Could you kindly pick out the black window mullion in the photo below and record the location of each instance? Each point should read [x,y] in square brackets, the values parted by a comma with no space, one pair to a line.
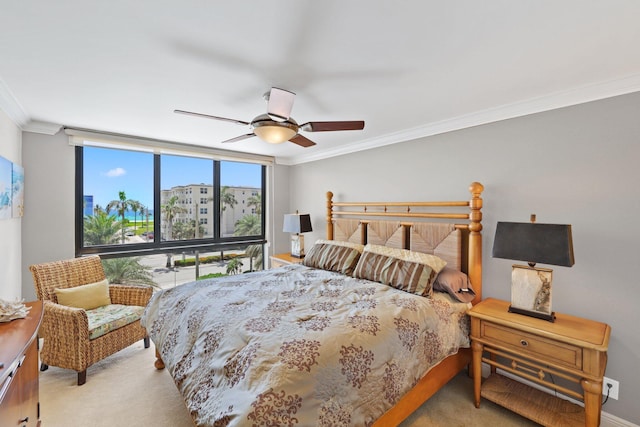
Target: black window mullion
[157,209]
[263,198]
[216,200]
[79,217]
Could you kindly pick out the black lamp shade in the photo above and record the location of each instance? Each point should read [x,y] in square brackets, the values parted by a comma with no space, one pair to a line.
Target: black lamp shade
[534,243]
[297,223]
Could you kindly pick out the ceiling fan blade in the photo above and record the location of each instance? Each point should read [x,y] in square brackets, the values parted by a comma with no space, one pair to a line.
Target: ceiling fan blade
[331,126]
[302,141]
[239,138]
[224,119]
[280,104]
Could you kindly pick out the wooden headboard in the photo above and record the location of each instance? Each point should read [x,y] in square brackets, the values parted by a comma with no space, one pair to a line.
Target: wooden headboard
[404,224]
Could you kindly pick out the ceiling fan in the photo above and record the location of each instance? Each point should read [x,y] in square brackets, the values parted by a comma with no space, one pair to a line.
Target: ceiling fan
[277,125]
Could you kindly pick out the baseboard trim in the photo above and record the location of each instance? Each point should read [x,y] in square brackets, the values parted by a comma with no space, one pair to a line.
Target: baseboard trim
[607,420]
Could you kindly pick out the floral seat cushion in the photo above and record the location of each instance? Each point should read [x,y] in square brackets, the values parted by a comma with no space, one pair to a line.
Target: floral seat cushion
[110,317]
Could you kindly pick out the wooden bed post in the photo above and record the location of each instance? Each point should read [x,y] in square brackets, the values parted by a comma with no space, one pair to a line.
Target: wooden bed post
[329,215]
[475,239]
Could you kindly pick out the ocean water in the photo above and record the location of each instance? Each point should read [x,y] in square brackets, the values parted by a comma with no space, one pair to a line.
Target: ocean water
[131,217]
[139,218]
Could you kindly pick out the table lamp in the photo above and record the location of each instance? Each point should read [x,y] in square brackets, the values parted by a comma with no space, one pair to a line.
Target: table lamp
[296,224]
[533,243]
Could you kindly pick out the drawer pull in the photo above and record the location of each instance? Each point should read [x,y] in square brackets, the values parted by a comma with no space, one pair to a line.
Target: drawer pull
[524,343]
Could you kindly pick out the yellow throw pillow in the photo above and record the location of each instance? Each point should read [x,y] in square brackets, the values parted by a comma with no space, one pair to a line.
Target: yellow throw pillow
[85,296]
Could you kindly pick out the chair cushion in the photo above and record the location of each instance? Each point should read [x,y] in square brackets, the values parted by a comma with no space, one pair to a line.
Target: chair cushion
[85,296]
[110,317]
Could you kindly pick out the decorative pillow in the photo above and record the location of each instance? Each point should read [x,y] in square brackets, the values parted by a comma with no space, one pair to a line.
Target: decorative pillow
[334,256]
[432,261]
[455,283]
[409,271]
[85,296]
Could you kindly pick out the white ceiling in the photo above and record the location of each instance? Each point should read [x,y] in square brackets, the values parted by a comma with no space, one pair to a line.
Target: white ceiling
[408,68]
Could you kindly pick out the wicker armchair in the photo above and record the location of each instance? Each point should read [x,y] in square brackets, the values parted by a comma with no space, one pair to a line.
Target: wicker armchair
[66,329]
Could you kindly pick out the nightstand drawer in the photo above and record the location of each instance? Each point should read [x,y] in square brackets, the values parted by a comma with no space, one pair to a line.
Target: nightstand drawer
[543,349]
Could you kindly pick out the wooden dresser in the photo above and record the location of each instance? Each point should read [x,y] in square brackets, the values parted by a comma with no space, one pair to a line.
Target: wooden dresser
[19,387]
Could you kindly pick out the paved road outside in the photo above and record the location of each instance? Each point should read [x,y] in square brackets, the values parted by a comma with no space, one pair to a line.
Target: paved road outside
[170,277]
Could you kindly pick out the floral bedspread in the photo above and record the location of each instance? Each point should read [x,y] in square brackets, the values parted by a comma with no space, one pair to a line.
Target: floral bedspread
[296,346]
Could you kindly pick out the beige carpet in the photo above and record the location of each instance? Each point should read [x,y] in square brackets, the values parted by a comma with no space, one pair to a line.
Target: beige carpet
[126,390]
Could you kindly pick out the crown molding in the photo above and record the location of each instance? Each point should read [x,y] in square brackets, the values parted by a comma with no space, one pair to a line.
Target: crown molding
[566,98]
[12,108]
[10,105]
[42,127]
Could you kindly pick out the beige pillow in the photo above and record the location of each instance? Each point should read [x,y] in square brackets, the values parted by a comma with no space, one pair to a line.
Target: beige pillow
[432,261]
[409,271]
[85,296]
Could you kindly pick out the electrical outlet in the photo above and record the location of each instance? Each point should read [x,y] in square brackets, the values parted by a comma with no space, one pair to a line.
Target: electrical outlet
[613,391]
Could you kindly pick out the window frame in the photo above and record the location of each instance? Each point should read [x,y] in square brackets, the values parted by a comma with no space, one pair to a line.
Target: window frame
[215,243]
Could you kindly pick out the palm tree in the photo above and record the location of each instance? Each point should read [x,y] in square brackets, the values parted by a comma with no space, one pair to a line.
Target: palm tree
[234,266]
[145,213]
[101,229]
[256,202]
[182,230]
[136,207]
[127,271]
[200,229]
[187,230]
[170,210]
[120,206]
[227,198]
[255,251]
[250,225]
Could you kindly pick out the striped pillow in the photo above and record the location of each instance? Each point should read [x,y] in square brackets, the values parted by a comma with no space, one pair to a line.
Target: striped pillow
[407,273]
[334,256]
[405,254]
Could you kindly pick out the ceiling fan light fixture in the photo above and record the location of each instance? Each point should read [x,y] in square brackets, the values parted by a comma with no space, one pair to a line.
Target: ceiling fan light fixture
[274,132]
[277,126]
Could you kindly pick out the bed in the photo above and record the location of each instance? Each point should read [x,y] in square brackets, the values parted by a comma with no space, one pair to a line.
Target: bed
[356,335]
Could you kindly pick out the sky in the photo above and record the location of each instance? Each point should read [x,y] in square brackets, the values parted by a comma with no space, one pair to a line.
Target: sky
[109,171]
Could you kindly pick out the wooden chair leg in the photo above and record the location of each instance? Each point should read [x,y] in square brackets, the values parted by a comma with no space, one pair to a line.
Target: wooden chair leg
[82,377]
[146,342]
[159,364]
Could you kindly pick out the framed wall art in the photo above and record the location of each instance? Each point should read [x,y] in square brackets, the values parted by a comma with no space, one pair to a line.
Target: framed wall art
[5,188]
[17,191]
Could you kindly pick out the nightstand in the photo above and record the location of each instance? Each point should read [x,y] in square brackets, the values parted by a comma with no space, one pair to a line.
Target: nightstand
[570,349]
[279,260]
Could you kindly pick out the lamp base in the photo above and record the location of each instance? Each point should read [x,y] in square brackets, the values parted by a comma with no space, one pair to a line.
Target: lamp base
[537,314]
[297,246]
[531,292]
